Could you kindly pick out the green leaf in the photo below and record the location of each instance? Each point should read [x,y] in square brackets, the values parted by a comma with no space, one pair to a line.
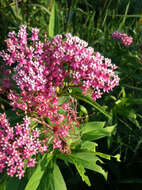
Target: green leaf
[99,133]
[58,180]
[91,126]
[106,156]
[89,146]
[3,181]
[53,21]
[81,171]
[117,156]
[88,160]
[52,179]
[2,186]
[35,179]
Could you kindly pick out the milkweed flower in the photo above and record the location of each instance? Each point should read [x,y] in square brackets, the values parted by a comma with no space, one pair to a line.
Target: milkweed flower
[64,61]
[124,38]
[18,145]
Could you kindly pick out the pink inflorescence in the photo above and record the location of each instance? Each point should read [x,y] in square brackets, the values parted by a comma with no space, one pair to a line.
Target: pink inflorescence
[72,60]
[17,146]
[65,61]
[124,38]
[44,106]
[39,103]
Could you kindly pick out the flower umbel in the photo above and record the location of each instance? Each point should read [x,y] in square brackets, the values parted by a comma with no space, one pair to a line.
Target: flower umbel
[18,145]
[66,61]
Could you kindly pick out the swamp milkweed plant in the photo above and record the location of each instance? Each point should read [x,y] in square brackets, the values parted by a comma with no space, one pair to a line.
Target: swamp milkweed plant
[39,76]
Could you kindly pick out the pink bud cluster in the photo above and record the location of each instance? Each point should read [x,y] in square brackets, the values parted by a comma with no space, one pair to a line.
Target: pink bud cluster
[18,145]
[124,38]
[65,61]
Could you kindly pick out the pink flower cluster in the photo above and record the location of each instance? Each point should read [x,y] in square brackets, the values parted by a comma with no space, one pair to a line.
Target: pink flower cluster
[28,61]
[70,59]
[124,38]
[39,103]
[44,106]
[65,61]
[20,143]
[17,146]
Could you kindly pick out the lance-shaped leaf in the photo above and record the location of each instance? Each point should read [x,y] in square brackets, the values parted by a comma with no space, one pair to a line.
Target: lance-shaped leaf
[91,126]
[53,21]
[98,133]
[86,159]
[52,179]
[35,179]
[81,171]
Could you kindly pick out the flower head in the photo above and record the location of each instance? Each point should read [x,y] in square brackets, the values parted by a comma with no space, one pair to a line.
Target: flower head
[124,38]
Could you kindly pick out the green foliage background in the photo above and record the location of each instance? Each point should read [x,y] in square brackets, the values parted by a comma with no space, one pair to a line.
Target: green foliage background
[94,21]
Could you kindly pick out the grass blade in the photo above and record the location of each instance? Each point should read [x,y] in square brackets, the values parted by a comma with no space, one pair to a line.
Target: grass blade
[53,21]
[124,18]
